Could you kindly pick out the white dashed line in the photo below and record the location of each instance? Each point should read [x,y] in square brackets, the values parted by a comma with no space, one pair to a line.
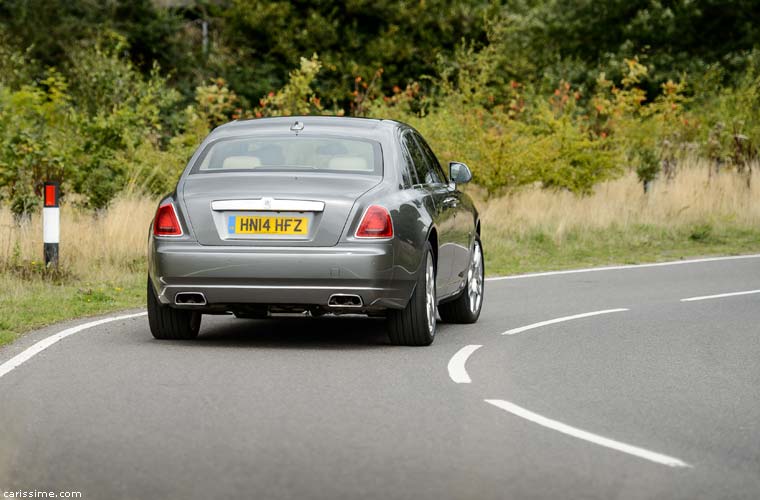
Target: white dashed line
[43,344]
[587,436]
[720,296]
[457,370]
[525,328]
[628,266]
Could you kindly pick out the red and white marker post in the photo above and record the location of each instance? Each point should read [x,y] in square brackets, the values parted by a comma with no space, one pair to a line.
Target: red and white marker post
[51,223]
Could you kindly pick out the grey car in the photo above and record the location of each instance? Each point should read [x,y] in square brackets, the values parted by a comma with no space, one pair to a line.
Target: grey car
[316,215]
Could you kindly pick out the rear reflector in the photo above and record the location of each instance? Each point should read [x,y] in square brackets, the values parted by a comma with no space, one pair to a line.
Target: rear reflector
[166,222]
[50,196]
[376,223]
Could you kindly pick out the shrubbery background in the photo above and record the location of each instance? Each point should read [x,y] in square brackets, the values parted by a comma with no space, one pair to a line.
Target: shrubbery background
[112,96]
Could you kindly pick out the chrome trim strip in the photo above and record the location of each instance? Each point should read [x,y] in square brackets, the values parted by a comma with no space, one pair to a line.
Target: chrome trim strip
[269,205]
[277,287]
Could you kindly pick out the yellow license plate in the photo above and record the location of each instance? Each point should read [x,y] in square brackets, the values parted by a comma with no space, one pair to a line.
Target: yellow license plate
[256,224]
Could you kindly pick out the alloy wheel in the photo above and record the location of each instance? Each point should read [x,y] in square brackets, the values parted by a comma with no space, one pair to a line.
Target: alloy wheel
[430,294]
[475,279]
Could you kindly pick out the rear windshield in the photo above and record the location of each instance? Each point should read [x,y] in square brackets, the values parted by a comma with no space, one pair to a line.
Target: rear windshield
[292,153]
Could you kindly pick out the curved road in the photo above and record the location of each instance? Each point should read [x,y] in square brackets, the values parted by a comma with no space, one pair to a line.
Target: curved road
[654,397]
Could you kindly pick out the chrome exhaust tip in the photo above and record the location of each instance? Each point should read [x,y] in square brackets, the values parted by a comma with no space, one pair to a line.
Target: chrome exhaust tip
[344,300]
[190,299]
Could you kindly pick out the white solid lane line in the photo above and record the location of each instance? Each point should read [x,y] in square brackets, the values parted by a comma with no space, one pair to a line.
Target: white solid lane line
[457,371]
[720,296]
[560,320]
[587,436]
[43,344]
[628,266]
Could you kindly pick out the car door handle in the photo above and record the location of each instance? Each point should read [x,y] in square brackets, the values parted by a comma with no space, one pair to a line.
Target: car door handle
[450,202]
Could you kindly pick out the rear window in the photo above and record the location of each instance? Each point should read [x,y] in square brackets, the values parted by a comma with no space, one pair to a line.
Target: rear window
[292,153]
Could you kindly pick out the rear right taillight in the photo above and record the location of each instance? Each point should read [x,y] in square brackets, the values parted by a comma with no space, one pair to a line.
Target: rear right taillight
[166,223]
[376,223]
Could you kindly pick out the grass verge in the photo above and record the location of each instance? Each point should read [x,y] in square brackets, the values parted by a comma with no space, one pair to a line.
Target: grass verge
[32,303]
[103,255]
[29,304]
[696,214]
[102,266]
[537,251]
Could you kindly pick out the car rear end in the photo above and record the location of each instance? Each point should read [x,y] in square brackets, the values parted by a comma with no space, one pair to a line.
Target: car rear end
[281,217]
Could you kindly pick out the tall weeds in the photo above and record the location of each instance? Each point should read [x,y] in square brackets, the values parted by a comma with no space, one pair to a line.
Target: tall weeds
[107,245]
[95,245]
[694,197]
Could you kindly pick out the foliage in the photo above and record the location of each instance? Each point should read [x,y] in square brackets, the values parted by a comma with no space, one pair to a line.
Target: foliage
[113,96]
[82,134]
[216,103]
[297,96]
[529,139]
[353,38]
[647,166]
[731,135]
[34,140]
[545,41]
[48,30]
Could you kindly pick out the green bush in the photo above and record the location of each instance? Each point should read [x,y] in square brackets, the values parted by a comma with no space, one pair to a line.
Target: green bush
[525,140]
[88,129]
[100,123]
[37,141]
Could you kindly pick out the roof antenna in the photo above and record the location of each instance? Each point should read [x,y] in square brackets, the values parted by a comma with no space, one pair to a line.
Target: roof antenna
[297,127]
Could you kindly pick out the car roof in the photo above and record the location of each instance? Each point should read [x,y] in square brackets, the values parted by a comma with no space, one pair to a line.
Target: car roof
[352,126]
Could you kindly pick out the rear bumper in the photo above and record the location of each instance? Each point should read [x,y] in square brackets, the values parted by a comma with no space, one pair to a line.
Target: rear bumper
[279,275]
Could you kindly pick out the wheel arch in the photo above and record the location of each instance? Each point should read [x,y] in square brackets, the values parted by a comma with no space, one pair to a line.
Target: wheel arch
[432,237]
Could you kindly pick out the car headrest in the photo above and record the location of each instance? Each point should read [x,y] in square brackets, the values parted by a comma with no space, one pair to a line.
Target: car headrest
[348,163]
[241,162]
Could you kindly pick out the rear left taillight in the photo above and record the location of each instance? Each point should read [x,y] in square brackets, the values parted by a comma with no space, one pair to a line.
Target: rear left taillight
[166,223]
[376,223]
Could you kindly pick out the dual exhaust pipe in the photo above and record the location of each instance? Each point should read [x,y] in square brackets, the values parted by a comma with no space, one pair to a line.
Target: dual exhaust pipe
[344,300]
[190,299]
[335,300]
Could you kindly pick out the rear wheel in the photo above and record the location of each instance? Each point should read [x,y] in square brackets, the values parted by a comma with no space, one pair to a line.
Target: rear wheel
[415,324]
[466,307]
[168,323]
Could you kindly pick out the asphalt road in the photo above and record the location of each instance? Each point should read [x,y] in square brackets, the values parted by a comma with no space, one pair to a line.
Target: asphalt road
[325,408]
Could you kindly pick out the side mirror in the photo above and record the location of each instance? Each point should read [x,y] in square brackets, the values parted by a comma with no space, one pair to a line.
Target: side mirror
[459,173]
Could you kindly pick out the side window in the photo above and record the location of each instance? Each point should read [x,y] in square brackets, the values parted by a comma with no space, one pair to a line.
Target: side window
[438,177]
[407,177]
[407,171]
[418,160]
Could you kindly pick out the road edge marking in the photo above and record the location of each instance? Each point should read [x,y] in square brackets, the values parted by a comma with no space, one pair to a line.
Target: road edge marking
[587,436]
[525,328]
[720,295]
[457,371]
[43,344]
[626,266]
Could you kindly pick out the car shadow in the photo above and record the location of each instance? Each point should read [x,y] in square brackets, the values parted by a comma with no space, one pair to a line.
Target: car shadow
[327,332]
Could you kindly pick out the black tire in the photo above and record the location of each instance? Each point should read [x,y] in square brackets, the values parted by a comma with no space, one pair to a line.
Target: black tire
[167,323]
[462,309]
[412,325]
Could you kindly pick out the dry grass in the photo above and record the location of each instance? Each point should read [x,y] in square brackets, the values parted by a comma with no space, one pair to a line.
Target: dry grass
[691,215]
[691,198]
[102,247]
[94,247]
[104,265]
